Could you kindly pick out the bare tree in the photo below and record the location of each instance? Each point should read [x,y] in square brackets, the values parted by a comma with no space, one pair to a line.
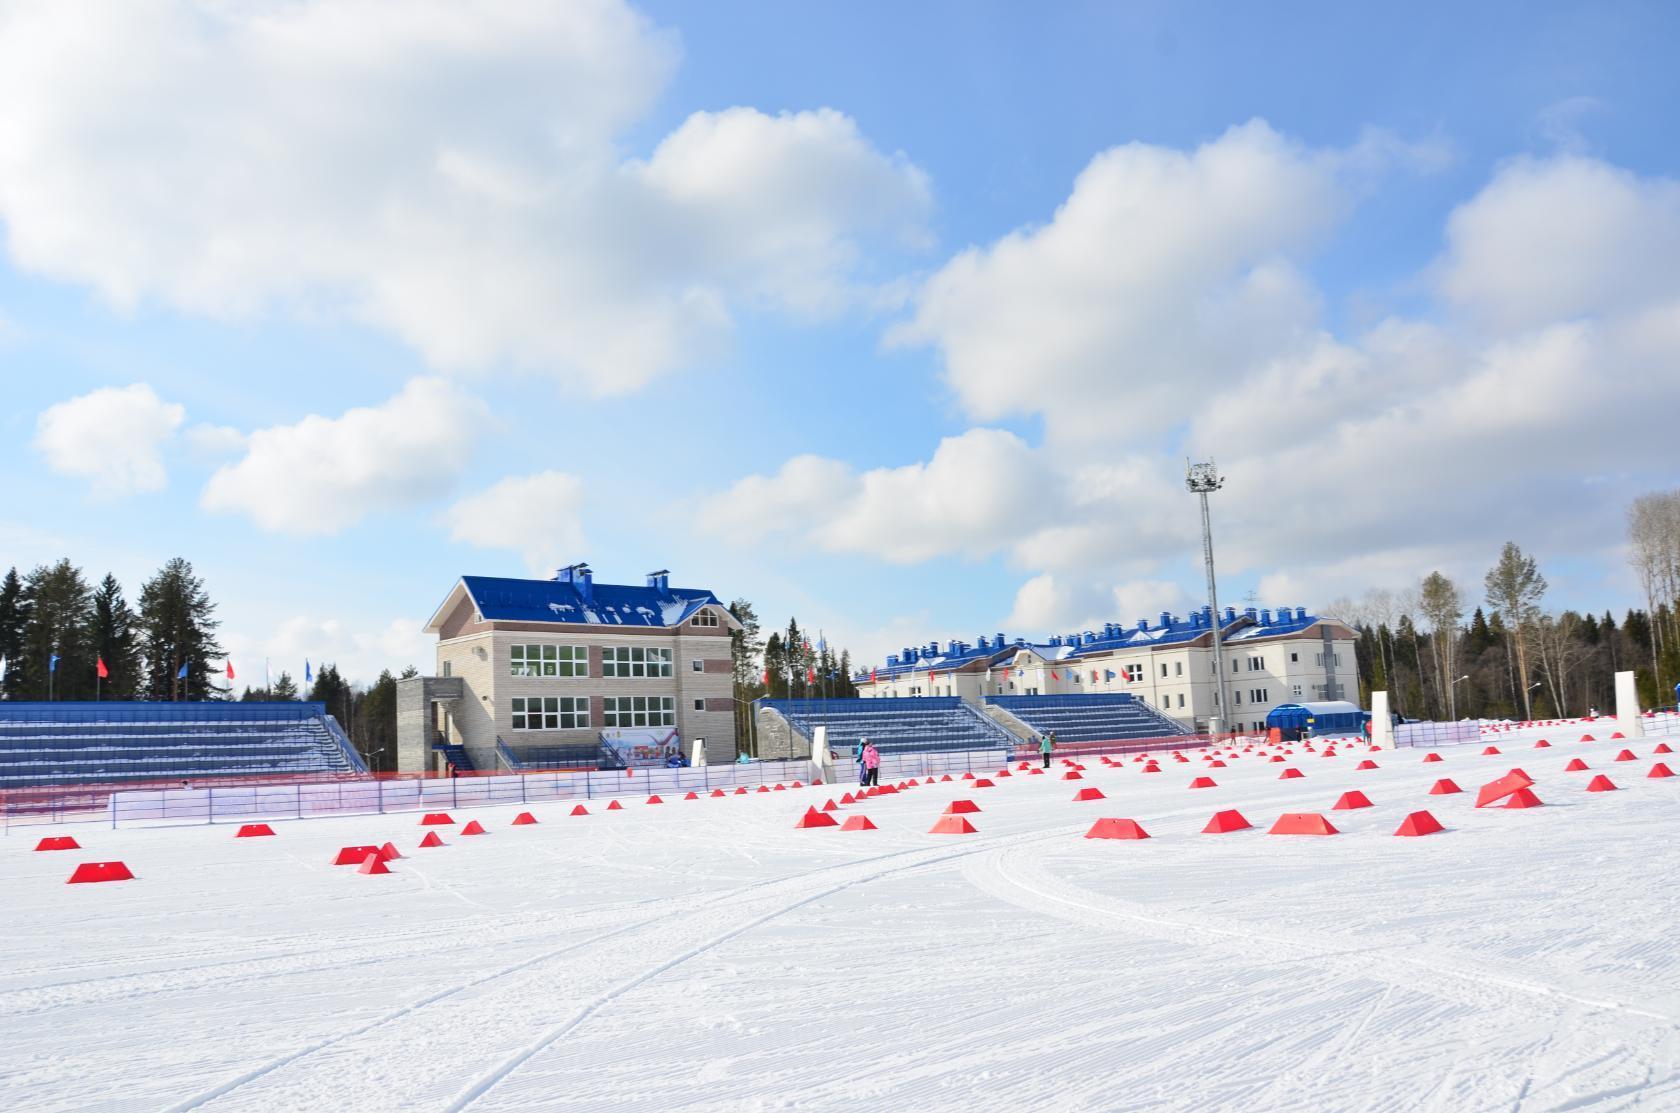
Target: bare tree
[1654,550]
[1443,607]
[1560,651]
[1514,588]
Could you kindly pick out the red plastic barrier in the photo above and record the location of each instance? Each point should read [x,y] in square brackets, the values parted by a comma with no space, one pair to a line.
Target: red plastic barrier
[58,842]
[1302,823]
[253,831]
[1222,822]
[354,855]
[89,872]
[1128,829]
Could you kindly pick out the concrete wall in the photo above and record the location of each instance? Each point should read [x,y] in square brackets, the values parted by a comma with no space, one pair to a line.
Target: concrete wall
[415,698]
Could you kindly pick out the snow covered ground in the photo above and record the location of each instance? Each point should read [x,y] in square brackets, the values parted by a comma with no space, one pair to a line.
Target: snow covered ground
[705,955]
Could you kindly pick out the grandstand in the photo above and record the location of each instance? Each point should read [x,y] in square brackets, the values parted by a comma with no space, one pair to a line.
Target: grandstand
[1090,717]
[908,725]
[112,742]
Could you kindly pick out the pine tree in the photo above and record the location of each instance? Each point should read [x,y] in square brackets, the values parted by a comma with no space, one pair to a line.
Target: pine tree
[14,617]
[178,628]
[60,623]
[331,689]
[1515,586]
[376,723]
[285,688]
[114,640]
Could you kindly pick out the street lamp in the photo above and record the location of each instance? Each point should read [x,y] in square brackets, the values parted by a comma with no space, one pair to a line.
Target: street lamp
[1203,479]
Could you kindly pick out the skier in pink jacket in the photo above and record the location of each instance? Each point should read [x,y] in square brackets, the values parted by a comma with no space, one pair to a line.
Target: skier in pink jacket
[872,764]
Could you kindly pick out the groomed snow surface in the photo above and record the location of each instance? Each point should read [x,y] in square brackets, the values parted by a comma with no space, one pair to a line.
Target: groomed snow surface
[707,955]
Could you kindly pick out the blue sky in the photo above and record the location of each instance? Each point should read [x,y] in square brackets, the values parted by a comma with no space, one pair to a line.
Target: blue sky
[899,319]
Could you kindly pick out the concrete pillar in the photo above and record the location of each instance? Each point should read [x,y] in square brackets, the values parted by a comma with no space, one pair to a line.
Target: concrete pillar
[698,757]
[1627,706]
[1382,727]
[822,762]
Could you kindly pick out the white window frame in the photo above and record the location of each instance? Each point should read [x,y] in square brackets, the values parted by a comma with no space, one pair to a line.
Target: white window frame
[541,660]
[622,662]
[705,618]
[641,711]
[549,713]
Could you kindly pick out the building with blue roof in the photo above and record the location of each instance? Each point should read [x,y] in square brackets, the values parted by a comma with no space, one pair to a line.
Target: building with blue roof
[1272,657]
[567,672]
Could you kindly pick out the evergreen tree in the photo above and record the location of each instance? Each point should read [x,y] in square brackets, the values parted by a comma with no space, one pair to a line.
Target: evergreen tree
[114,640]
[60,623]
[775,668]
[14,617]
[333,690]
[1515,586]
[376,724]
[178,628]
[285,688]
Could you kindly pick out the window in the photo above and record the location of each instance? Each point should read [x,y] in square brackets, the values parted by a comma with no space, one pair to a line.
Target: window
[639,711]
[1335,660]
[625,660]
[1237,697]
[550,712]
[1163,670]
[699,705]
[447,668]
[1294,658]
[1134,673]
[1258,695]
[1181,699]
[1255,664]
[1296,692]
[699,666]
[704,618]
[548,660]
[1178,668]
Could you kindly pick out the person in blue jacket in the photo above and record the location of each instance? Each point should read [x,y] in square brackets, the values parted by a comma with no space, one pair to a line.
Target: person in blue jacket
[857,757]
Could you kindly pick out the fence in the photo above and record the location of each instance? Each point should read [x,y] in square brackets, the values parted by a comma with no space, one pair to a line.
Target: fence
[1475,732]
[227,803]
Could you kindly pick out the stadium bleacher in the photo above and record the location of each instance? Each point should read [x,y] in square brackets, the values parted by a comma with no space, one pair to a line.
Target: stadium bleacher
[1098,717]
[115,742]
[918,724]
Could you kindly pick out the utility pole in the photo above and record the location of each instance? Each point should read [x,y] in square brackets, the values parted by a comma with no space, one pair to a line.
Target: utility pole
[1203,479]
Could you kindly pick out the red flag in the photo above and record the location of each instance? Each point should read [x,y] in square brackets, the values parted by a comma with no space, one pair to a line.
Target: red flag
[104,673]
[872,676]
[767,678]
[230,668]
[810,676]
[1054,675]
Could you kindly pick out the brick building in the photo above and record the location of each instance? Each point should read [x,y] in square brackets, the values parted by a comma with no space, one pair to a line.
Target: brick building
[549,668]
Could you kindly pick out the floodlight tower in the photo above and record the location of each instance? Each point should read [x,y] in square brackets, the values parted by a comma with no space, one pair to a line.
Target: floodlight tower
[1203,479]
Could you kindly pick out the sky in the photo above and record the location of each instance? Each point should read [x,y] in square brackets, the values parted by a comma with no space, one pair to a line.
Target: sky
[902,319]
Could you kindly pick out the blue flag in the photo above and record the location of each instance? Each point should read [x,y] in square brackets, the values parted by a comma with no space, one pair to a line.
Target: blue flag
[181,673]
[52,663]
[307,675]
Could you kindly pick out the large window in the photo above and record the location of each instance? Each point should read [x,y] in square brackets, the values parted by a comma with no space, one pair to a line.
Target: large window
[704,618]
[548,660]
[639,711]
[550,712]
[627,660]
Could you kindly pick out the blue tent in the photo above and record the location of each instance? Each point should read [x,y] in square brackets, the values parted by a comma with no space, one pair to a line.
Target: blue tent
[1332,717]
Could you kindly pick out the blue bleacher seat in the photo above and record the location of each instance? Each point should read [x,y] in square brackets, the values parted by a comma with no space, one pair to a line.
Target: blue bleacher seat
[1098,717]
[113,742]
[916,724]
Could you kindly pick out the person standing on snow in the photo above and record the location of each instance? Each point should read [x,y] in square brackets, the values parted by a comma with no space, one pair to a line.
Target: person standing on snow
[1046,742]
[871,764]
[857,757]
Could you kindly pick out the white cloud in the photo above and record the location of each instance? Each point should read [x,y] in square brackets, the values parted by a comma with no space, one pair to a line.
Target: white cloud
[450,171]
[113,437]
[535,515]
[361,651]
[1555,239]
[322,474]
[1530,403]
[977,492]
[1161,272]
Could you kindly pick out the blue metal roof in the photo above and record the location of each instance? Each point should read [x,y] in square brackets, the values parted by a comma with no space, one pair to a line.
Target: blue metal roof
[509,600]
[1235,626]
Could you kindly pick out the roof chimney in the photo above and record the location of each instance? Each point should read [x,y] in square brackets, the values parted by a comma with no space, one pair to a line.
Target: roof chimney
[580,577]
[660,581]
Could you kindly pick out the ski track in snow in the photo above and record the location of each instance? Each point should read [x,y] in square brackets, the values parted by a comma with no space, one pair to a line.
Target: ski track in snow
[706,956]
